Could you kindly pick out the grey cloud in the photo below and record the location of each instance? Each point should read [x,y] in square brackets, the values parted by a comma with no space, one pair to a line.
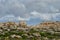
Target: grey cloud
[23,8]
[43,6]
[12,18]
[12,7]
[54,16]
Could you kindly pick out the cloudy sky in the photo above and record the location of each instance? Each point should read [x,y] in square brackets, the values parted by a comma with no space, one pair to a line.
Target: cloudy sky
[32,11]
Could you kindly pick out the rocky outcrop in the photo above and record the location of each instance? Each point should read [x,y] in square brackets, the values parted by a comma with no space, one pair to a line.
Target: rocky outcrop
[20,31]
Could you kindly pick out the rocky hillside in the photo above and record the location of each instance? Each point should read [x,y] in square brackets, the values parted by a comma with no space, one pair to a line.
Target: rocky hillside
[20,31]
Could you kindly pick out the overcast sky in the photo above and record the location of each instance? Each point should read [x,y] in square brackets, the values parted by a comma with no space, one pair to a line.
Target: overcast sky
[32,11]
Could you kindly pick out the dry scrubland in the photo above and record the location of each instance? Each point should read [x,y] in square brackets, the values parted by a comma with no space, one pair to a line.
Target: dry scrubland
[20,31]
